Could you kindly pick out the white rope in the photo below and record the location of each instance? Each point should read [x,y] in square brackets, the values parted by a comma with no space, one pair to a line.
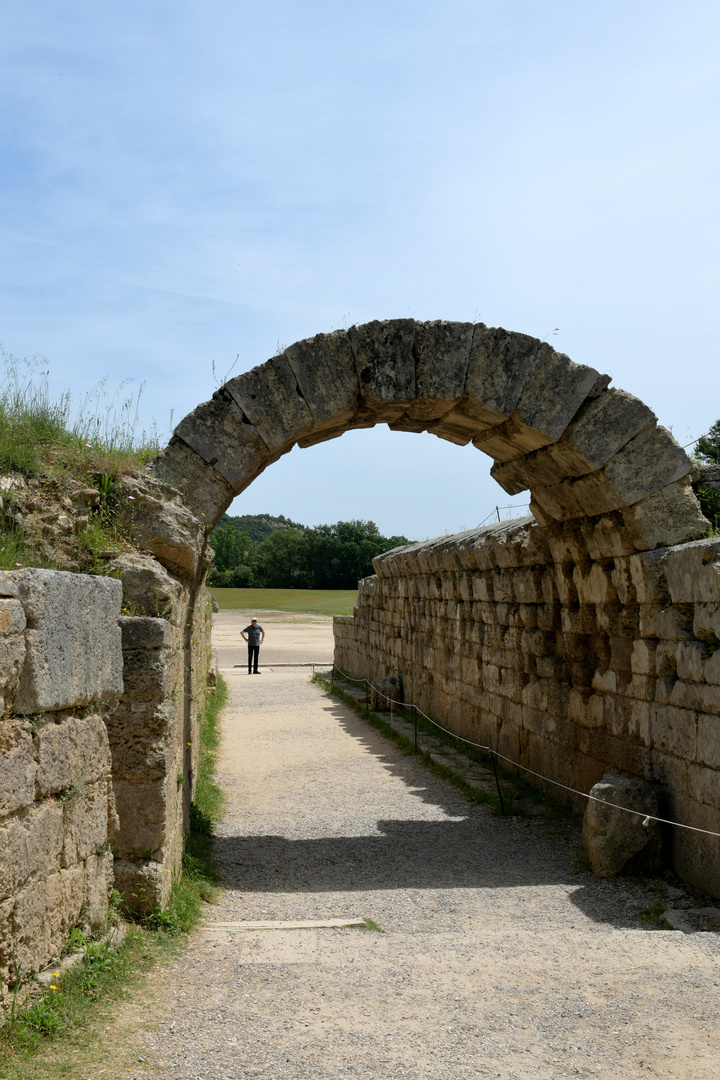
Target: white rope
[517,765]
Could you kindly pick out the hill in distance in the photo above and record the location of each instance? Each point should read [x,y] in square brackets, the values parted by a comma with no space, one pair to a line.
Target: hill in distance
[260,526]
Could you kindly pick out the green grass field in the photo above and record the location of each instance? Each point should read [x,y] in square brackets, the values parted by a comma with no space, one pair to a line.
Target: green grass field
[318,601]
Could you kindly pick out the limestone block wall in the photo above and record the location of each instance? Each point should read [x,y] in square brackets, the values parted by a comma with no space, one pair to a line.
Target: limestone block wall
[99,717]
[569,664]
[154,740]
[61,667]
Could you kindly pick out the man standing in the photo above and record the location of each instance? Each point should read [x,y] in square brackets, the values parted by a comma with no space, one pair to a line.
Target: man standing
[254,635]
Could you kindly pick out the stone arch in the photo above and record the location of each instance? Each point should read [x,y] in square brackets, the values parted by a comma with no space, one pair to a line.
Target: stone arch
[592,457]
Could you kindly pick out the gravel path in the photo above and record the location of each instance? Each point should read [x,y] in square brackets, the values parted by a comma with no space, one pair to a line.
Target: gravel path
[498,961]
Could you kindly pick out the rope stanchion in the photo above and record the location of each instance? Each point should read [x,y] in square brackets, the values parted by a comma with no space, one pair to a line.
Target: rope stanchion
[516,764]
[497,783]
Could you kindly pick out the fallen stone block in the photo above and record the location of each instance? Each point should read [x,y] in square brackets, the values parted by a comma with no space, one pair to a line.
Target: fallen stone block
[383,689]
[613,838]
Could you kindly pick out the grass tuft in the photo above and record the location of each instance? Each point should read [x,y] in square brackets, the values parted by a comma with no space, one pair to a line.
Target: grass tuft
[370,924]
[41,433]
[655,916]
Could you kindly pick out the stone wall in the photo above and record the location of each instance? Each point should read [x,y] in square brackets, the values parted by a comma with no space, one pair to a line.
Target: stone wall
[98,744]
[61,668]
[571,664]
[153,729]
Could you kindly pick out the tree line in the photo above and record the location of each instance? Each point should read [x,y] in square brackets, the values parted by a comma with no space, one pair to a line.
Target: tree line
[292,556]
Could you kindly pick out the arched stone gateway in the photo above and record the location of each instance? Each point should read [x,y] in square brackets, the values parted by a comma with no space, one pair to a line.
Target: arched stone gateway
[581,642]
[587,453]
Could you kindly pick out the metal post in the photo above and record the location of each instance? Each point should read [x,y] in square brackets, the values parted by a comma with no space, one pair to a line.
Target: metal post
[497,783]
[332,675]
[415,719]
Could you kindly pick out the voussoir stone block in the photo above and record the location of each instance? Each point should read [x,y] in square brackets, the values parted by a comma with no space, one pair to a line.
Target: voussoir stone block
[72,641]
[224,437]
[649,462]
[324,367]
[206,492]
[270,397]
[442,353]
[385,364]
[605,424]
[554,392]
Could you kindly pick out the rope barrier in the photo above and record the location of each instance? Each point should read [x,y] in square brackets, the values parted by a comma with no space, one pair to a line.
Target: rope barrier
[525,768]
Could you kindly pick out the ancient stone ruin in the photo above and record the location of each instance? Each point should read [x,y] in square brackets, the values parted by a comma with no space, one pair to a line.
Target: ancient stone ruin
[581,641]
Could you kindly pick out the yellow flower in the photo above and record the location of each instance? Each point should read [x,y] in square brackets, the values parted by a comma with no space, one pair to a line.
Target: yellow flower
[56,974]
[53,987]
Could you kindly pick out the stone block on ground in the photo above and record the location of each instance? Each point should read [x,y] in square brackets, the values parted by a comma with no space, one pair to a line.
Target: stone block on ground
[612,837]
[381,690]
[73,654]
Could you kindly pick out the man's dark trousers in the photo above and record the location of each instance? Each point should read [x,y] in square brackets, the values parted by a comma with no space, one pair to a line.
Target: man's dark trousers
[253,654]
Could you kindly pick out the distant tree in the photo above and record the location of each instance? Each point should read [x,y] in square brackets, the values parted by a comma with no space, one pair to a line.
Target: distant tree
[280,561]
[291,557]
[707,449]
[341,554]
[231,564]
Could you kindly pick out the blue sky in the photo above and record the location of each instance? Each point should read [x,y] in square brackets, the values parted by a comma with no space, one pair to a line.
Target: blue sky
[183,183]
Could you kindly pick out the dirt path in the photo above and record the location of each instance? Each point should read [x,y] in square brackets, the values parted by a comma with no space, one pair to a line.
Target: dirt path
[499,961]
